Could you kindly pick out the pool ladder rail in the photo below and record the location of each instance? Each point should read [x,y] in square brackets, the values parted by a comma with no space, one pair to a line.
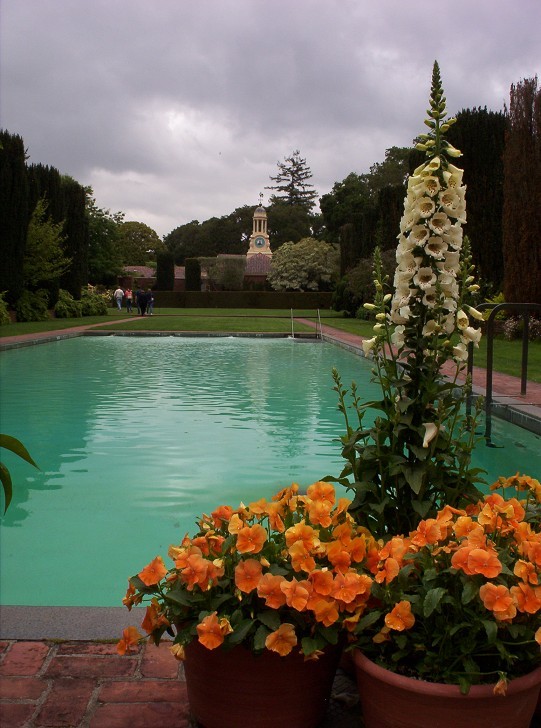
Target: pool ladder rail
[318,337]
[525,309]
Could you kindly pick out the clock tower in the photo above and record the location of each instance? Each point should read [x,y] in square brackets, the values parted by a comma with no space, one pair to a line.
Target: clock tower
[259,239]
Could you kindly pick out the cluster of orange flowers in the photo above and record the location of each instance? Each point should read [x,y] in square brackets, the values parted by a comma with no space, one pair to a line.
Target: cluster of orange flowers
[490,538]
[296,553]
[305,557]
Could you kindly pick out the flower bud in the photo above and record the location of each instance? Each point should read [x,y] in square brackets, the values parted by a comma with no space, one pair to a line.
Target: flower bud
[369,306]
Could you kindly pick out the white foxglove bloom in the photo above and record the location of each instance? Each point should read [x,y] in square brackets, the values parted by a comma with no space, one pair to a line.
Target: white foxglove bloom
[439,223]
[452,261]
[424,277]
[432,186]
[408,262]
[471,334]
[431,431]
[409,219]
[432,165]
[449,323]
[449,304]
[419,235]
[397,337]
[475,313]
[430,298]
[453,176]
[460,352]
[430,328]
[453,236]
[435,247]
[425,206]
[368,345]
[462,320]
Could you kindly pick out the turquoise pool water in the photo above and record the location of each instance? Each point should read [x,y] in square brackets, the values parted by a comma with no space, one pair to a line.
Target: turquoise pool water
[136,437]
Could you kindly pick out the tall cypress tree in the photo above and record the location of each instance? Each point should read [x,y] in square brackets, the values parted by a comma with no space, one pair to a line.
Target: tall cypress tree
[77,237]
[480,136]
[14,214]
[522,195]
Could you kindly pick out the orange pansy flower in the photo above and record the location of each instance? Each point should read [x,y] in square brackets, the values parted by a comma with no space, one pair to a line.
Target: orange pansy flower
[537,636]
[302,532]
[357,549]
[459,560]
[497,598]
[195,572]
[342,533]
[322,582]
[275,511]
[347,586]
[221,514]
[301,559]
[247,575]
[251,539]
[400,617]
[130,640]
[153,572]
[338,556]
[319,513]
[297,593]
[484,561]
[321,491]
[132,597]
[427,532]
[526,571]
[325,611]
[182,555]
[268,589]
[211,631]
[388,571]
[283,640]
[154,619]
[527,598]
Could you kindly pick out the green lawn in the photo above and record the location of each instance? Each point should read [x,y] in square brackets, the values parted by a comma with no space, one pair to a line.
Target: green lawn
[507,354]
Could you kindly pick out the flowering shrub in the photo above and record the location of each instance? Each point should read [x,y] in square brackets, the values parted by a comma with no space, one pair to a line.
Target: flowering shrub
[276,575]
[458,600]
[514,326]
[417,454]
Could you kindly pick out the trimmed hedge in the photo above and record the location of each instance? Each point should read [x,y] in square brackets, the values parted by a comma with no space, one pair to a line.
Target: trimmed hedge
[243,299]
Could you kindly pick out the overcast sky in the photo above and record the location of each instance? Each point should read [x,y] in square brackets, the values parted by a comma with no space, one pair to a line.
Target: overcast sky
[175,110]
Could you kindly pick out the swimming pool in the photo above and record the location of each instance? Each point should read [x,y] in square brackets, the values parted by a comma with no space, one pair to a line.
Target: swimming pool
[136,437]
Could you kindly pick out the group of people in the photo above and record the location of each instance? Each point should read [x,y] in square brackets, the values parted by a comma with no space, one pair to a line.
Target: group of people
[143,299]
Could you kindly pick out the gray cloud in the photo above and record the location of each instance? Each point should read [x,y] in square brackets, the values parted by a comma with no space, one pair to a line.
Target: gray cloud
[174,110]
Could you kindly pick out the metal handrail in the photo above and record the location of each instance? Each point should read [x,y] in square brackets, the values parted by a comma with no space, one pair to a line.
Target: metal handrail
[525,308]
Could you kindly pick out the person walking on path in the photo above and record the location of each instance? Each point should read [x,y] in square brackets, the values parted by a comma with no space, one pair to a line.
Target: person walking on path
[118,295]
[129,299]
[142,301]
[150,302]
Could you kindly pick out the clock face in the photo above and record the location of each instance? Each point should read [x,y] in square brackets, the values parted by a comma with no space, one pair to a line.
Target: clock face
[260,242]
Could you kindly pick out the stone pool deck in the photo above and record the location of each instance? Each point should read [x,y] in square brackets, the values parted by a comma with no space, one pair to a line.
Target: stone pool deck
[59,666]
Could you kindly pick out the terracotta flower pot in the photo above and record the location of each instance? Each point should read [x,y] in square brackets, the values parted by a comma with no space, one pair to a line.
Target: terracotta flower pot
[389,700]
[228,689]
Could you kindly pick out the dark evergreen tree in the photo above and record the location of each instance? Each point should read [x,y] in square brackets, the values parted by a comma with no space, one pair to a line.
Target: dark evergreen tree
[14,214]
[165,270]
[76,237]
[480,136]
[522,195]
[46,183]
[293,184]
[192,273]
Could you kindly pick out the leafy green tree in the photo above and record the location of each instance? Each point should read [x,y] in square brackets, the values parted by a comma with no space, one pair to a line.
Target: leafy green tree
[104,259]
[288,222]
[522,195]
[309,265]
[44,259]
[293,184]
[14,214]
[138,243]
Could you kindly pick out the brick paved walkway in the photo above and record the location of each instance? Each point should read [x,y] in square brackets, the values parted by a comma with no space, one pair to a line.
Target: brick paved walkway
[88,685]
